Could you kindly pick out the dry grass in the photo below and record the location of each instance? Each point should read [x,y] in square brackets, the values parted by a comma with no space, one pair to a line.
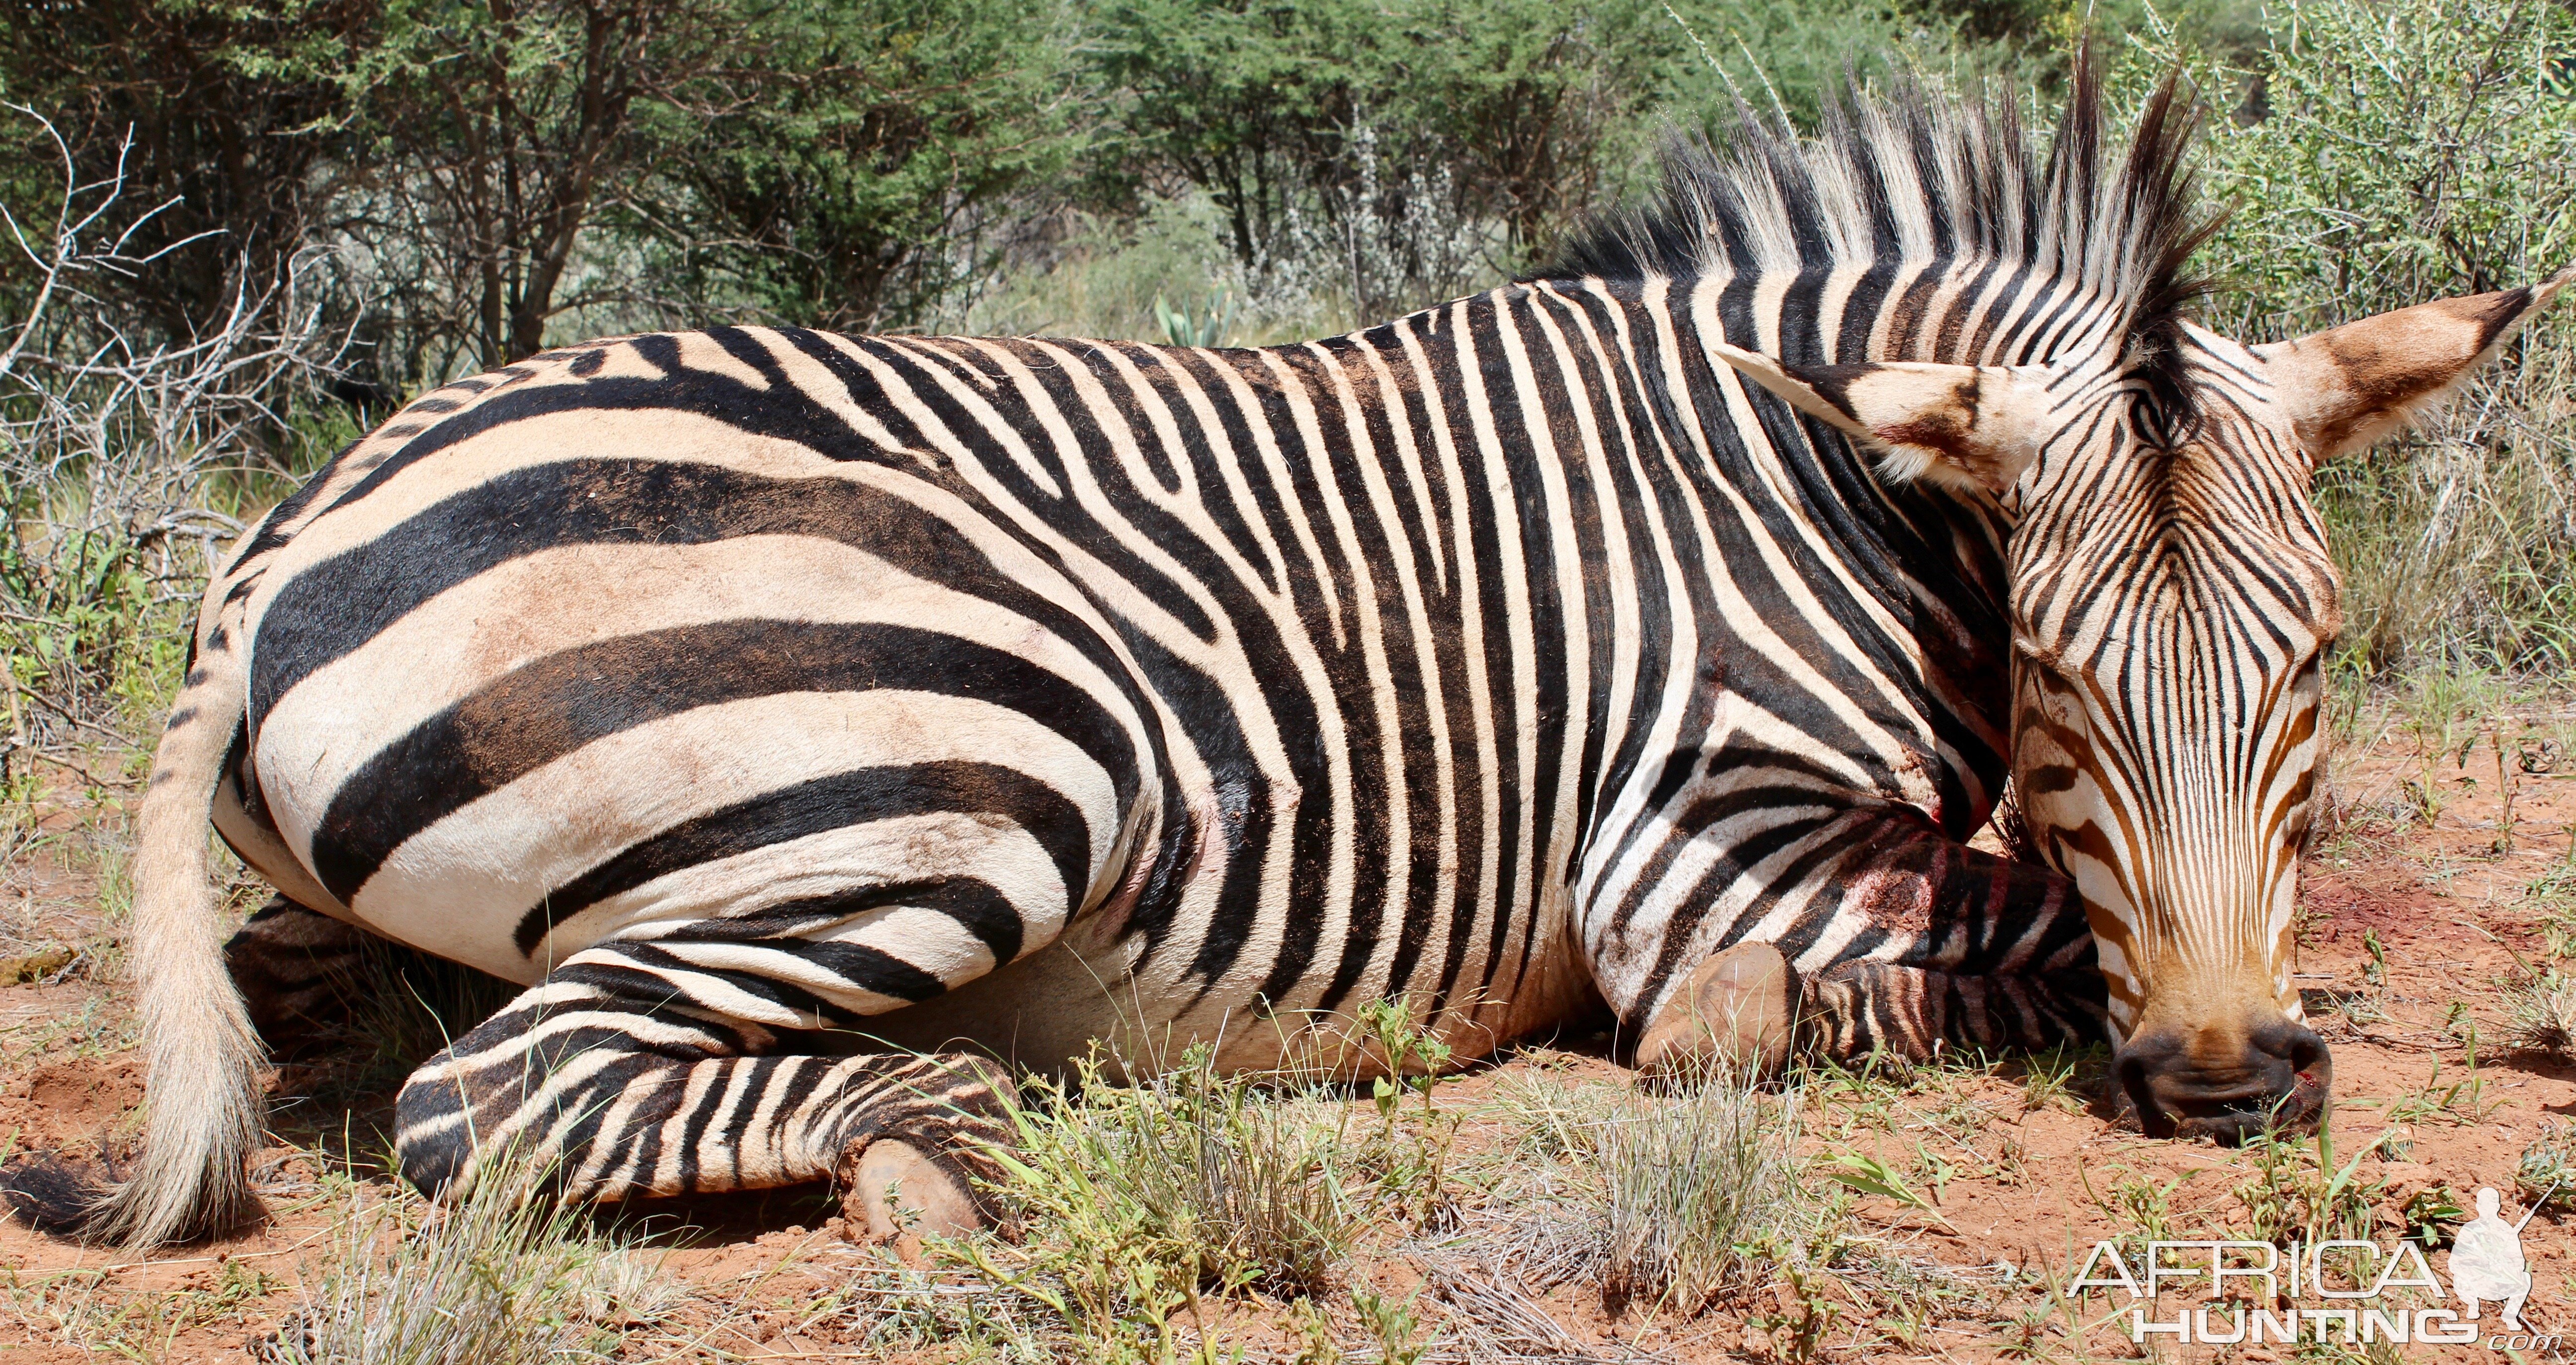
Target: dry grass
[2541,1014]
[1702,1194]
[1666,1202]
[502,1276]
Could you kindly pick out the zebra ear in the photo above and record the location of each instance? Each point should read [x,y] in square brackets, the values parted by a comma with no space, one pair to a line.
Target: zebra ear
[1976,426]
[2346,387]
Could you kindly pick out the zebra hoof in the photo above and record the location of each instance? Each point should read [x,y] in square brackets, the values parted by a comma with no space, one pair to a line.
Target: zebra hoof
[896,1191]
[1735,1016]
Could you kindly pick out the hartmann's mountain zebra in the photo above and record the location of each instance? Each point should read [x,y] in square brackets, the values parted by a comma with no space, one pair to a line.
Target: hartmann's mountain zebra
[751,693]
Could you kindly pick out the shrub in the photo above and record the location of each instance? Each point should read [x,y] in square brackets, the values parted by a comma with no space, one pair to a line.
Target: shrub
[115,451]
[2392,154]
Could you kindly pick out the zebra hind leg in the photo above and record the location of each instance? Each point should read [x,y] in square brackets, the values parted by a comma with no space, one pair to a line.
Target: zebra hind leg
[321,989]
[296,969]
[604,1082]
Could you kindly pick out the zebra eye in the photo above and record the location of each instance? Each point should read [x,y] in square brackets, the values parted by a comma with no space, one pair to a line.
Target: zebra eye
[2027,647]
[2053,695]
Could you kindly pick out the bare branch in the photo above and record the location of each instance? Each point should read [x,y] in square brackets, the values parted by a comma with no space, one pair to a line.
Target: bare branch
[111,447]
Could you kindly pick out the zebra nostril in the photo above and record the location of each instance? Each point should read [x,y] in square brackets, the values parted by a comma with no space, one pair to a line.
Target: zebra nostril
[2279,1078]
[2307,1051]
[2136,1067]
[2303,1101]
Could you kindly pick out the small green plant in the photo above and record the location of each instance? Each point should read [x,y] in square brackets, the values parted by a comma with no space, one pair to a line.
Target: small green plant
[2464,1100]
[2297,1193]
[2141,1203]
[1316,1343]
[2048,1081]
[1412,1163]
[1869,1175]
[1136,1199]
[1414,1058]
[1207,325]
[2025,1334]
[2427,1212]
[1908,1326]
[1798,1332]
[2553,894]
[2546,1174]
[1393,1323]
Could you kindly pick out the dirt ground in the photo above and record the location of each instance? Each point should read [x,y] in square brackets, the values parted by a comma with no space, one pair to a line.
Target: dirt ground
[2420,914]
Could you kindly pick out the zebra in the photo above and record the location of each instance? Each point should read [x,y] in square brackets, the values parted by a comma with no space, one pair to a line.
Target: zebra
[823,729]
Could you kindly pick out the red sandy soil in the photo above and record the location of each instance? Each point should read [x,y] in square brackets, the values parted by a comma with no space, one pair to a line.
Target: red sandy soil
[2452,917]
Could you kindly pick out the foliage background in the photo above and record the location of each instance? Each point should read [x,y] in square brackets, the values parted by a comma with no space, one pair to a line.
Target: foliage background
[244,230]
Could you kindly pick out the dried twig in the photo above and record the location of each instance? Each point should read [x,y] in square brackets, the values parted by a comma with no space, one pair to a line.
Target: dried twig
[110,441]
[1498,1322]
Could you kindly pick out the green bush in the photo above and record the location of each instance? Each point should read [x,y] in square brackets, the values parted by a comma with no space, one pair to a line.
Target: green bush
[2409,151]
[2405,151]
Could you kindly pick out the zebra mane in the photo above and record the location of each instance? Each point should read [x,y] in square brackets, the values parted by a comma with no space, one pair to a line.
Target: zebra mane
[1916,174]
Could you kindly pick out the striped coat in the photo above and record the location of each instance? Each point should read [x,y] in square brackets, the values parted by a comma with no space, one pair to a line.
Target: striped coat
[732,687]
[1425,662]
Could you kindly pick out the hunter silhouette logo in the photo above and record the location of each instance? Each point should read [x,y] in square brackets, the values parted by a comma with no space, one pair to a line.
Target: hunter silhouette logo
[2486,1261]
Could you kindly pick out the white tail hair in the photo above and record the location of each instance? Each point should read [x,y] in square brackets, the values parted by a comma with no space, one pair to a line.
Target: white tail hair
[203,1060]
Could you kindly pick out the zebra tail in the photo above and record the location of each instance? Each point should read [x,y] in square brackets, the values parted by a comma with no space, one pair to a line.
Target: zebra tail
[203,1060]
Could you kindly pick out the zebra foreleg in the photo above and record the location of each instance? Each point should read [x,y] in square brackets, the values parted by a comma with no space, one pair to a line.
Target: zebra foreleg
[1945,947]
[1747,1010]
[1909,943]
[601,1082]
[1853,1010]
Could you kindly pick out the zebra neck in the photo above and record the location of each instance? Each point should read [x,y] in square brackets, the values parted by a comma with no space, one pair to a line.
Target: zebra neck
[1688,547]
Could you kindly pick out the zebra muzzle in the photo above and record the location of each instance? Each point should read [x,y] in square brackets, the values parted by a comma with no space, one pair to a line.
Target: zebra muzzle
[2278,1078]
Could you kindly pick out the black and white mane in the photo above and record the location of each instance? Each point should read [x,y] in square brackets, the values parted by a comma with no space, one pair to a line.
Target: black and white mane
[1916,175]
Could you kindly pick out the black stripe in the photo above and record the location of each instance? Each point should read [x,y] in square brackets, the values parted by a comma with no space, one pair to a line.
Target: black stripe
[547,709]
[827,803]
[333,607]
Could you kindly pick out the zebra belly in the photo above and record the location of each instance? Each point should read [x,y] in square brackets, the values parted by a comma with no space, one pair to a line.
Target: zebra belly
[1075,999]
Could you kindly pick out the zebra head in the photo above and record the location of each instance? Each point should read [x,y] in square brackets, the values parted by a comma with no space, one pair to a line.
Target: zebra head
[2172,599]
